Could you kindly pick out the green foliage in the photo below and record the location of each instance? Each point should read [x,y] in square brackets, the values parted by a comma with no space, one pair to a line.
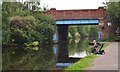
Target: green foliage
[81,30]
[32,46]
[80,46]
[35,43]
[45,28]
[84,45]
[34,6]
[19,59]
[105,45]
[113,10]
[82,63]
[22,26]
[87,30]
[113,13]
[9,9]
[72,47]
[30,28]
[93,30]
[72,30]
[35,48]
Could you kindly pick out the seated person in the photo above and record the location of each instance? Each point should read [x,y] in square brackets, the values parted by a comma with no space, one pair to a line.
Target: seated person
[95,46]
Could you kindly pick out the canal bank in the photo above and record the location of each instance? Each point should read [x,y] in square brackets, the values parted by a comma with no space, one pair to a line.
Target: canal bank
[82,64]
[109,61]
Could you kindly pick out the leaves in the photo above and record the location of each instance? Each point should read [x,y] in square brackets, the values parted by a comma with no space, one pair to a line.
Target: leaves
[113,11]
[25,26]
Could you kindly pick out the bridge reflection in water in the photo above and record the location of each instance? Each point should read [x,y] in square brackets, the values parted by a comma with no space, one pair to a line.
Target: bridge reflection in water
[71,53]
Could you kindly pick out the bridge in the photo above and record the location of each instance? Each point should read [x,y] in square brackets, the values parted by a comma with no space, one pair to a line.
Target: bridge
[64,18]
[82,17]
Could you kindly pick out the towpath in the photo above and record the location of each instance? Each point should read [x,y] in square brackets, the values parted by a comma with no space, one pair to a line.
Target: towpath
[108,61]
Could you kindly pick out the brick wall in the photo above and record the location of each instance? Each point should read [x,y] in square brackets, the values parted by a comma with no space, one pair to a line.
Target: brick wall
[77,14]
[99,13]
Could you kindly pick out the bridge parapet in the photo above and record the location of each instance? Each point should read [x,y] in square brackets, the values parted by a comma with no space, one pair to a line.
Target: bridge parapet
[77,14]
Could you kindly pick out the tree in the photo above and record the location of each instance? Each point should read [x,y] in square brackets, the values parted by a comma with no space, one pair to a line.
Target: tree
[113,11]
[22,26]
[34,6]
[9,9]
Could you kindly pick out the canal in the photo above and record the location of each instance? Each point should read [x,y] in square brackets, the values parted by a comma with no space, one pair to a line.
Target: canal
[44,58]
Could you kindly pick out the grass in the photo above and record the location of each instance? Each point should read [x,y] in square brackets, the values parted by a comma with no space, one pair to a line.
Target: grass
[84,63]
[105,45]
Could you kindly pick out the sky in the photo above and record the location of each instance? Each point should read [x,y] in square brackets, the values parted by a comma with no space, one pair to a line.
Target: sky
[72,4]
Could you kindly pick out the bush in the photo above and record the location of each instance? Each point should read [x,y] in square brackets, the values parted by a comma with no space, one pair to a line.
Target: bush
[29,29]
[20,27]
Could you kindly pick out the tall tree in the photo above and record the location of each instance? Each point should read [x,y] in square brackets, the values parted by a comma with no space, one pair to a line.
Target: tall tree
[113,11]
[35,6]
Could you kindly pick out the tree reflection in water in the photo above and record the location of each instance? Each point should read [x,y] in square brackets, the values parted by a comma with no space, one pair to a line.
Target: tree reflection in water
[14,58]
[79,49]
[20,59]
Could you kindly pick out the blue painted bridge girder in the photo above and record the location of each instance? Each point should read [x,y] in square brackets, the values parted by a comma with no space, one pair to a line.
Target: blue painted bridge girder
[78,22]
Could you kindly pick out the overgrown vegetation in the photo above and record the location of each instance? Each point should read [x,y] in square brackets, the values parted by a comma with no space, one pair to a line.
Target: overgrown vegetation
[113,13]
[24,23]
[19,59]
[25,30]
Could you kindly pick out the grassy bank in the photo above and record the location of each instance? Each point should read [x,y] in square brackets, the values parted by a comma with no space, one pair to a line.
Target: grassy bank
[82,64]
[105,45]
[85,62]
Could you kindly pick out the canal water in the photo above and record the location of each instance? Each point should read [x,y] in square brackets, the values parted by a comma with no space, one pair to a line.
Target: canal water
[44,58]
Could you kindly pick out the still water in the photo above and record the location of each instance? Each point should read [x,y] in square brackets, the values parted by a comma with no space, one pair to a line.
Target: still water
[46,58]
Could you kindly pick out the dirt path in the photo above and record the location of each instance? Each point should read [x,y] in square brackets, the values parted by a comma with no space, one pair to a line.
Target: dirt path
[109,61]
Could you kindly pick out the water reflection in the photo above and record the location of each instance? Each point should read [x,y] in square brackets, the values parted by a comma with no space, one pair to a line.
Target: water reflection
[54,49]
[79,49]
[79,55]
[45,58]
[20,59]
[63,65]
